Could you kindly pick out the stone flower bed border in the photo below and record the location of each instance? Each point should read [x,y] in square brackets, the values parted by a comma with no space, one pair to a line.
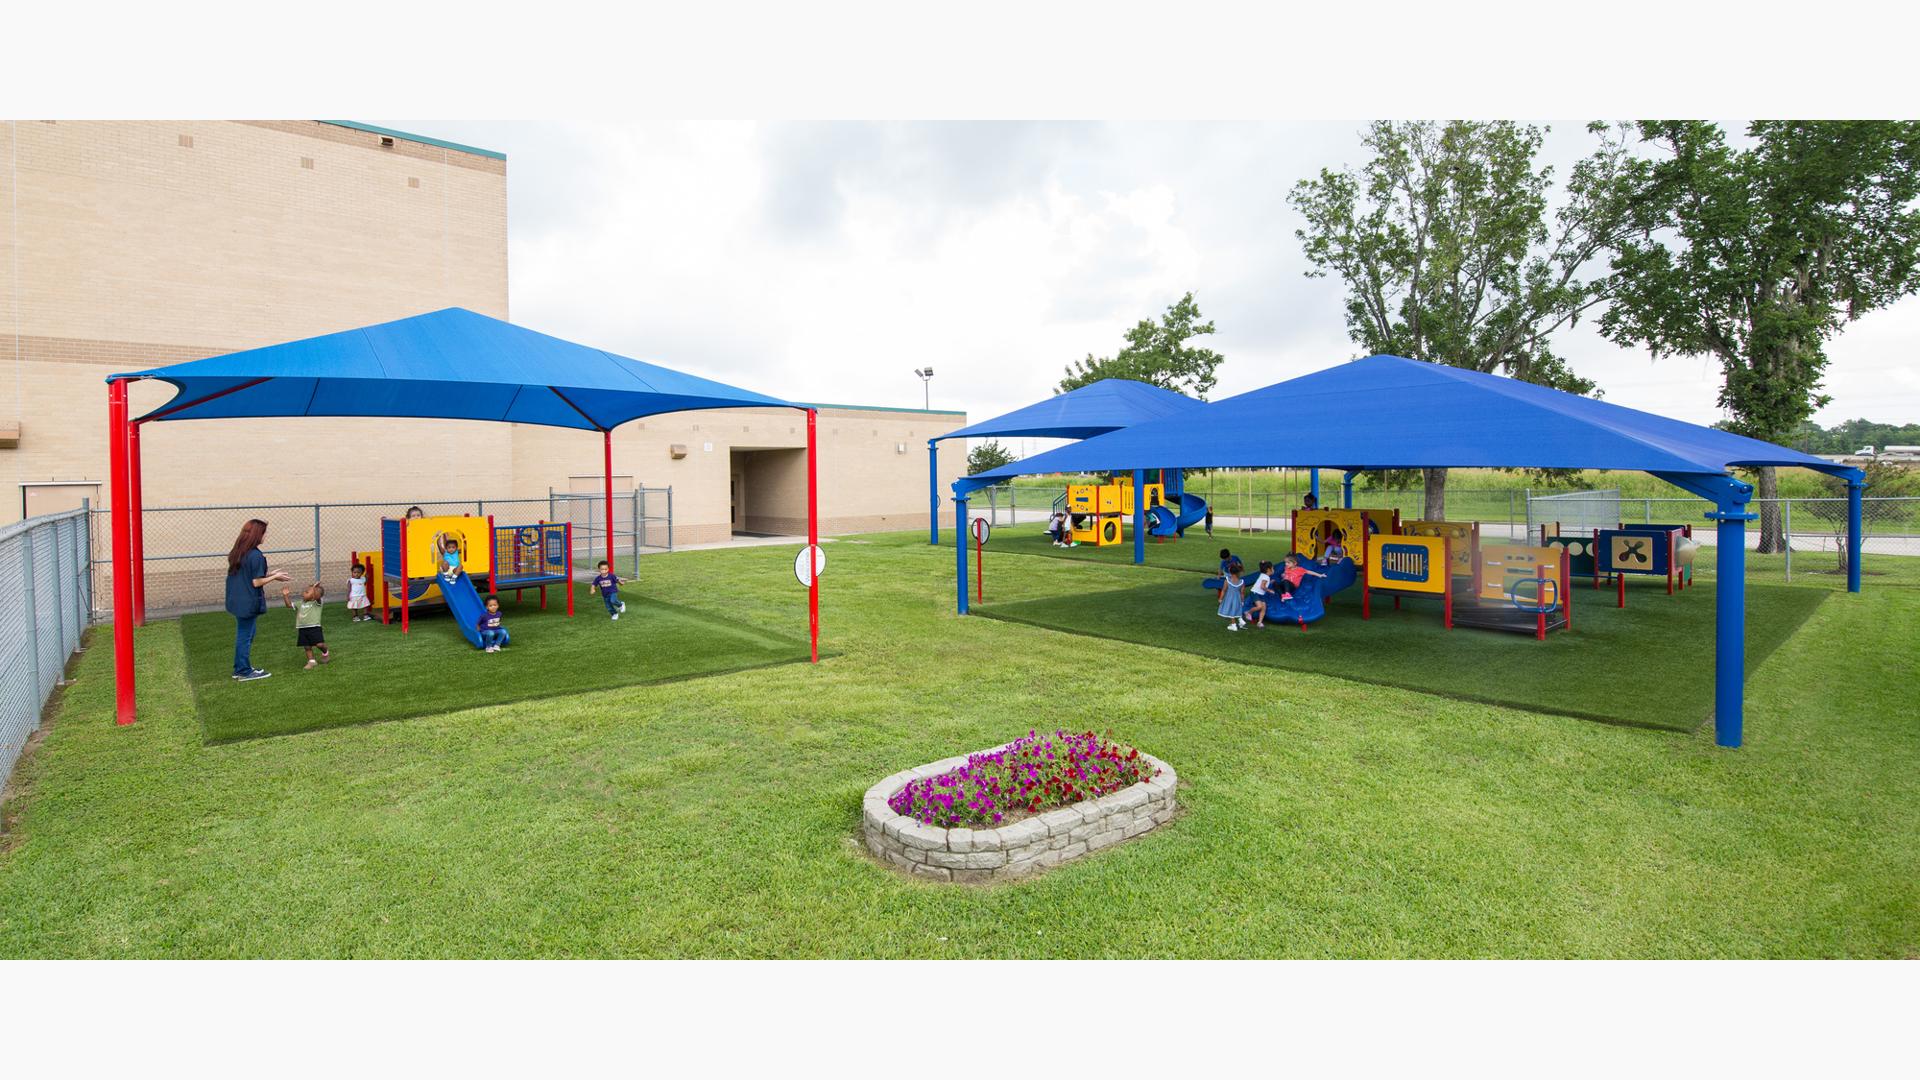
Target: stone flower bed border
[1011,851]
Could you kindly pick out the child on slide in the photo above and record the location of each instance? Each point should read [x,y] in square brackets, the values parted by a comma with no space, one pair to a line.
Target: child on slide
[1295,573]
[493,635]
[450,559]
[1230,598]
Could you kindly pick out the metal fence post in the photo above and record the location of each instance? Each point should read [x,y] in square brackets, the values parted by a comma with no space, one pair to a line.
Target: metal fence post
[60,604]
[1786,527]
[29,601]
[637,526]
[316,542]
[669,517]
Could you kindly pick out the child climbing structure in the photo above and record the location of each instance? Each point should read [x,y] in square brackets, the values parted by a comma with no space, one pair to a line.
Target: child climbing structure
[437,560]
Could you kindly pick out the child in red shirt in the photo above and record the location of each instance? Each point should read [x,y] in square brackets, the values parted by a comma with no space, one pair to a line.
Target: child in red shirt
[1295,573]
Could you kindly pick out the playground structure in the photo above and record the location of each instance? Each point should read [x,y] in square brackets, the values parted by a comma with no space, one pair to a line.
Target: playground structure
[1519,587]
[1408,565]
[1097,513]
[510,557]
[1651,550]
[1313,530]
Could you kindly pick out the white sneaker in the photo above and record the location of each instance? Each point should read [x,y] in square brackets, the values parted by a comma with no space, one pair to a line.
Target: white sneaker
[623,607]
[616,616]
[1233,626]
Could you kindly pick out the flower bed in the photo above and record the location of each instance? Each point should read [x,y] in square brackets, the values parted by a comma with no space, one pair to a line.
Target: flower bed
[1030,775]
[1053,798]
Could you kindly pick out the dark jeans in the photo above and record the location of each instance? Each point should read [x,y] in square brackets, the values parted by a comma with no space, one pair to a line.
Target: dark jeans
[613,602]
[243,644]
[490,638]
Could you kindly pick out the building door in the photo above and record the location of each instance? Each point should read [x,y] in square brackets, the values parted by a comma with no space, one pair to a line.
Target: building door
[37,499]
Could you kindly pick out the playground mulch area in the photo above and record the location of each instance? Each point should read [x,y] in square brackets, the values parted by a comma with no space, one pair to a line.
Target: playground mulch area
[1647,665]
[378,673]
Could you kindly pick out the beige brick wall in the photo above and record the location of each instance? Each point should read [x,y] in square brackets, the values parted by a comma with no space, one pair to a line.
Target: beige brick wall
[126,245]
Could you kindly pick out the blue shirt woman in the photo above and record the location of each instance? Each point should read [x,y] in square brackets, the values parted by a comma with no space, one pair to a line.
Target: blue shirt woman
[247,578]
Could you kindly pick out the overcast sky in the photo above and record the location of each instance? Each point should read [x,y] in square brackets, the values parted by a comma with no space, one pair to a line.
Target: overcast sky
[826,261]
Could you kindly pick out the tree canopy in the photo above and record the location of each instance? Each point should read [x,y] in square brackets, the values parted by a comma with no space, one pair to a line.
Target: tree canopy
[1758,255]
[1449,254]
[1157,353]
[988,455]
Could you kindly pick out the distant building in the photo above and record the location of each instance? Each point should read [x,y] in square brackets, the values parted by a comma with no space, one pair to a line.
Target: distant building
[132,244]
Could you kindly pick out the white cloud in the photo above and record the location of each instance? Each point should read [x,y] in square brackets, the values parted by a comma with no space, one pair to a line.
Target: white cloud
[827,261]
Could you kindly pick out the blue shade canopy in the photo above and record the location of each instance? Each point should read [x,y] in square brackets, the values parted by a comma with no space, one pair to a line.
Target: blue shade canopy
[453,364]
[1388,412]
[1094,409]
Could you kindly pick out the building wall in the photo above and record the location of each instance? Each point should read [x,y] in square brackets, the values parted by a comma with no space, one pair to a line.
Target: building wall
[126,245]
[131,244]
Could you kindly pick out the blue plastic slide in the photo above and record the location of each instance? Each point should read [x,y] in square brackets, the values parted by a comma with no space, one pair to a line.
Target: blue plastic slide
[464,604]
[1307,603]
[1162,522]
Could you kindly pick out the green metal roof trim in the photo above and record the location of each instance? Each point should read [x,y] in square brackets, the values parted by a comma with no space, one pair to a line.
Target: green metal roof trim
[410,137]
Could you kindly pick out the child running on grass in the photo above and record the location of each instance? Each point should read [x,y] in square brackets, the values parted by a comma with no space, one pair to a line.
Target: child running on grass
[1230,599]
[306,622]
[493,636]
[359,607]
[608,583]
[1259,595]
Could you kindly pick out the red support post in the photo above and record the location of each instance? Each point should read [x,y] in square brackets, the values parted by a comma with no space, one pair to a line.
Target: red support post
[979,571]
[123,706]
[569,535]
[1566,569]
[1366,596]
[404,590]
[1539,592]
[386,594]
[136,524]
[813,539]
[493,559]
[1672,553]
[1622,580]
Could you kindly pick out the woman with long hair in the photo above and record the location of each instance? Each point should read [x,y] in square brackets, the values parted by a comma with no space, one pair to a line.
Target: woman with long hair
[247,579]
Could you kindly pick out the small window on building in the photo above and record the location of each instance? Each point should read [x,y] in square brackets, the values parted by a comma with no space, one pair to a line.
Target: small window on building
[413,181]
[186,141]
[306,163]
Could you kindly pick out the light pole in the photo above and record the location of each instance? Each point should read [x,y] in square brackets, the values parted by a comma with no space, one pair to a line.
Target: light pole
[926,394]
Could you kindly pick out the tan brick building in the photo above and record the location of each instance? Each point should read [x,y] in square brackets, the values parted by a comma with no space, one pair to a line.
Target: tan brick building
[131,244]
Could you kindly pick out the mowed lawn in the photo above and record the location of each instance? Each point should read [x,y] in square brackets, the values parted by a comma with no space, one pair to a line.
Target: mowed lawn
[1649,664]
[719,816]
[378,673]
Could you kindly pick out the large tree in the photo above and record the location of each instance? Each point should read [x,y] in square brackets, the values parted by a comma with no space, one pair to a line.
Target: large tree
[1157,353]
[988,455]
[1758,255]
[1450,253]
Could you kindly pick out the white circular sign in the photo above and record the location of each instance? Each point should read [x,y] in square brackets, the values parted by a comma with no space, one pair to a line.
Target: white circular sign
[800,568]
[982,529]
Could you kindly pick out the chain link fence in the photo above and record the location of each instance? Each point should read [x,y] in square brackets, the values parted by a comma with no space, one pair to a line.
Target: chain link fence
[185,547]
[45,600]
[1811,532]
[1808,546]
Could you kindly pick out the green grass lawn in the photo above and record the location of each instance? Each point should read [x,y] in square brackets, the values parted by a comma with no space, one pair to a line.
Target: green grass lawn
[380,674]
[719,816]
[1649,664]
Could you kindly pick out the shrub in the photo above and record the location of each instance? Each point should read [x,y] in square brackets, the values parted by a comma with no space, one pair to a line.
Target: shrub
[1027,776]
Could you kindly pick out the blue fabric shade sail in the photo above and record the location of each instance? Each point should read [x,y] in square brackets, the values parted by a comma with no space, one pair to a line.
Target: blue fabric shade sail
[1390,412]
[453,364]
[1094,409]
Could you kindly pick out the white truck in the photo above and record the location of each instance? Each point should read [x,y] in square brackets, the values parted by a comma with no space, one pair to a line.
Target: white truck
[1889,453]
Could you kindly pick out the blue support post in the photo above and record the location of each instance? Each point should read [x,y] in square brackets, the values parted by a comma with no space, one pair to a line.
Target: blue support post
[1139,518]
[933,492]
[1313,485]
[960,549]
[1730,614]
[1855,484]
[1346,491]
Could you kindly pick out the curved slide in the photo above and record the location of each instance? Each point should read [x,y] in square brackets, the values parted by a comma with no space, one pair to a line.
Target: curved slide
[1161,520]
[464,604]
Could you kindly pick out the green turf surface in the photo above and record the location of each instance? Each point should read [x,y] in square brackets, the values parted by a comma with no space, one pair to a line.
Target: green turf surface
[1649,664]
[719,816]
[378,673]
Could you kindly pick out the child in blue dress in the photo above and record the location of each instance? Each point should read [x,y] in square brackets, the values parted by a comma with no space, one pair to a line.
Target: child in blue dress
[1230,599]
